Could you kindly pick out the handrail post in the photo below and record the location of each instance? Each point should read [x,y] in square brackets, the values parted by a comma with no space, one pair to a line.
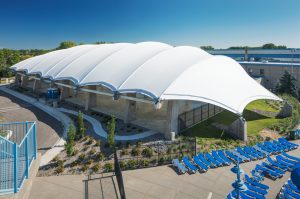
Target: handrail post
[34,140]
[15,168]
[26,158]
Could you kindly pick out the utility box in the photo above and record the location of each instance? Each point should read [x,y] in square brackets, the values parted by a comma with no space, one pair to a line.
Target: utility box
[294,135]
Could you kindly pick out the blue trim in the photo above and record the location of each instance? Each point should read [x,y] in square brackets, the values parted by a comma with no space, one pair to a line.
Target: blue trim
[15,168]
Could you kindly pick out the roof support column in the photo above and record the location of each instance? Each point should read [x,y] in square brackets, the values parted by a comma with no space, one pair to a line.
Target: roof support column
[36,85]
[18,79]
[64,91]
[24,81]
[238,129]
[172,119]
[90,98]
[130,111]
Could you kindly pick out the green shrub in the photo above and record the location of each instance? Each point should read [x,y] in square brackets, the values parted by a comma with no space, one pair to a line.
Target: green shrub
[108,167]
[97,143]
[124,152]
[131,164]
[59,169]
[122,165]
[100,156]
[96,167]
[74,163]
[81,157]
[147,152]
[89,162]
[111,126]
[135,152]
[92,152]
[161,161]
[91,141]
[144,163]
[81,128]
[60,163]
[84,168]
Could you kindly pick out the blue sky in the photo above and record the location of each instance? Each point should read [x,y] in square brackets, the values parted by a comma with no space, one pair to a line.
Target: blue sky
[220,23]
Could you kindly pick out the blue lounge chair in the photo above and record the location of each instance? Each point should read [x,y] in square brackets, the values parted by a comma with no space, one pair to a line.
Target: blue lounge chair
[247,150]
[272,174]
[273,147]
[189,165]
[284,147]
[279,171]
[278,165]
[280,161]
[179,166]
[237,154]
[257,148]
[257,184]
[209,164]
[233,157]
[293,187]
[286,194]
[291,193]
[242,195]
[259,152]
[200,164]
[265,149]
[266,145]
[291,157]
[218,158]
[288,160]
[256,189]
[212,160]
[257,176]
[243,153]
[223,156]
[291,144]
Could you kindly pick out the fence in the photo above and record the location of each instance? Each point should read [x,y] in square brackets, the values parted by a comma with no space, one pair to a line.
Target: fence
[197,115]
[17,151]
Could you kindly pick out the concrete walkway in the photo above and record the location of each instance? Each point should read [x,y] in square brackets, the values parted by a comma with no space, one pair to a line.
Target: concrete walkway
[158,182]
[98,129]
[65,120]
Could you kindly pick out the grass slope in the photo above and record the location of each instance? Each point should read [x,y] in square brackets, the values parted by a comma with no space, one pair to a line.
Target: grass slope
[255,121]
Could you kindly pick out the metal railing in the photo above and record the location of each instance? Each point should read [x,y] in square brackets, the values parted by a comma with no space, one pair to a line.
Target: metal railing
[17,152]
[190,118]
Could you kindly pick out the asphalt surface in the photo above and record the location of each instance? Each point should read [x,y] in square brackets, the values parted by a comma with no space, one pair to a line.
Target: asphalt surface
[49,129]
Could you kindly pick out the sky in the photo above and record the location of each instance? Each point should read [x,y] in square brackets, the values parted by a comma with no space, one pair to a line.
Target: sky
[219,23]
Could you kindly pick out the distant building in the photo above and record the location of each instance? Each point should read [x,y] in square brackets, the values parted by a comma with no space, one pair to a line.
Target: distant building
[269,73]
[261,55]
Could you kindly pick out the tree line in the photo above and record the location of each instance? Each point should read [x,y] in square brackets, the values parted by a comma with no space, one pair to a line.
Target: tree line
[9,57]
[265,46]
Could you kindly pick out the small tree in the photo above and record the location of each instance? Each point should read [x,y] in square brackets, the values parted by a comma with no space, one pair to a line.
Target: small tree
[287,84]
[70,140]
[111,126]
[81,127]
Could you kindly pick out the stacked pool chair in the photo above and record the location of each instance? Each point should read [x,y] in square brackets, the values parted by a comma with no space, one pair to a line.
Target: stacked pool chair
[256,189]
[289,190]
[274,168]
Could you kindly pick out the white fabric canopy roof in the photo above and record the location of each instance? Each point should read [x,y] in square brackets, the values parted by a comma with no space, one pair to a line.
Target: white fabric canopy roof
[155,69]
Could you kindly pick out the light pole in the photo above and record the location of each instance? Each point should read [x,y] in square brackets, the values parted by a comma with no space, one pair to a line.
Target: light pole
[238,185]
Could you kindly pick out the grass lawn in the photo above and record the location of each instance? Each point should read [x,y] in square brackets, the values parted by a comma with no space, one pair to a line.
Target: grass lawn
[255,122]
[261,105]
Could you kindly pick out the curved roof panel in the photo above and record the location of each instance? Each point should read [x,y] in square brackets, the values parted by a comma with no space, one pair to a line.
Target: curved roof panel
[155,69]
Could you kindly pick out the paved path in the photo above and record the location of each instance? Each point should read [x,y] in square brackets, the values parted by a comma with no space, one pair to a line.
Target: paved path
[48,129]
[50,142]
[97,127]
